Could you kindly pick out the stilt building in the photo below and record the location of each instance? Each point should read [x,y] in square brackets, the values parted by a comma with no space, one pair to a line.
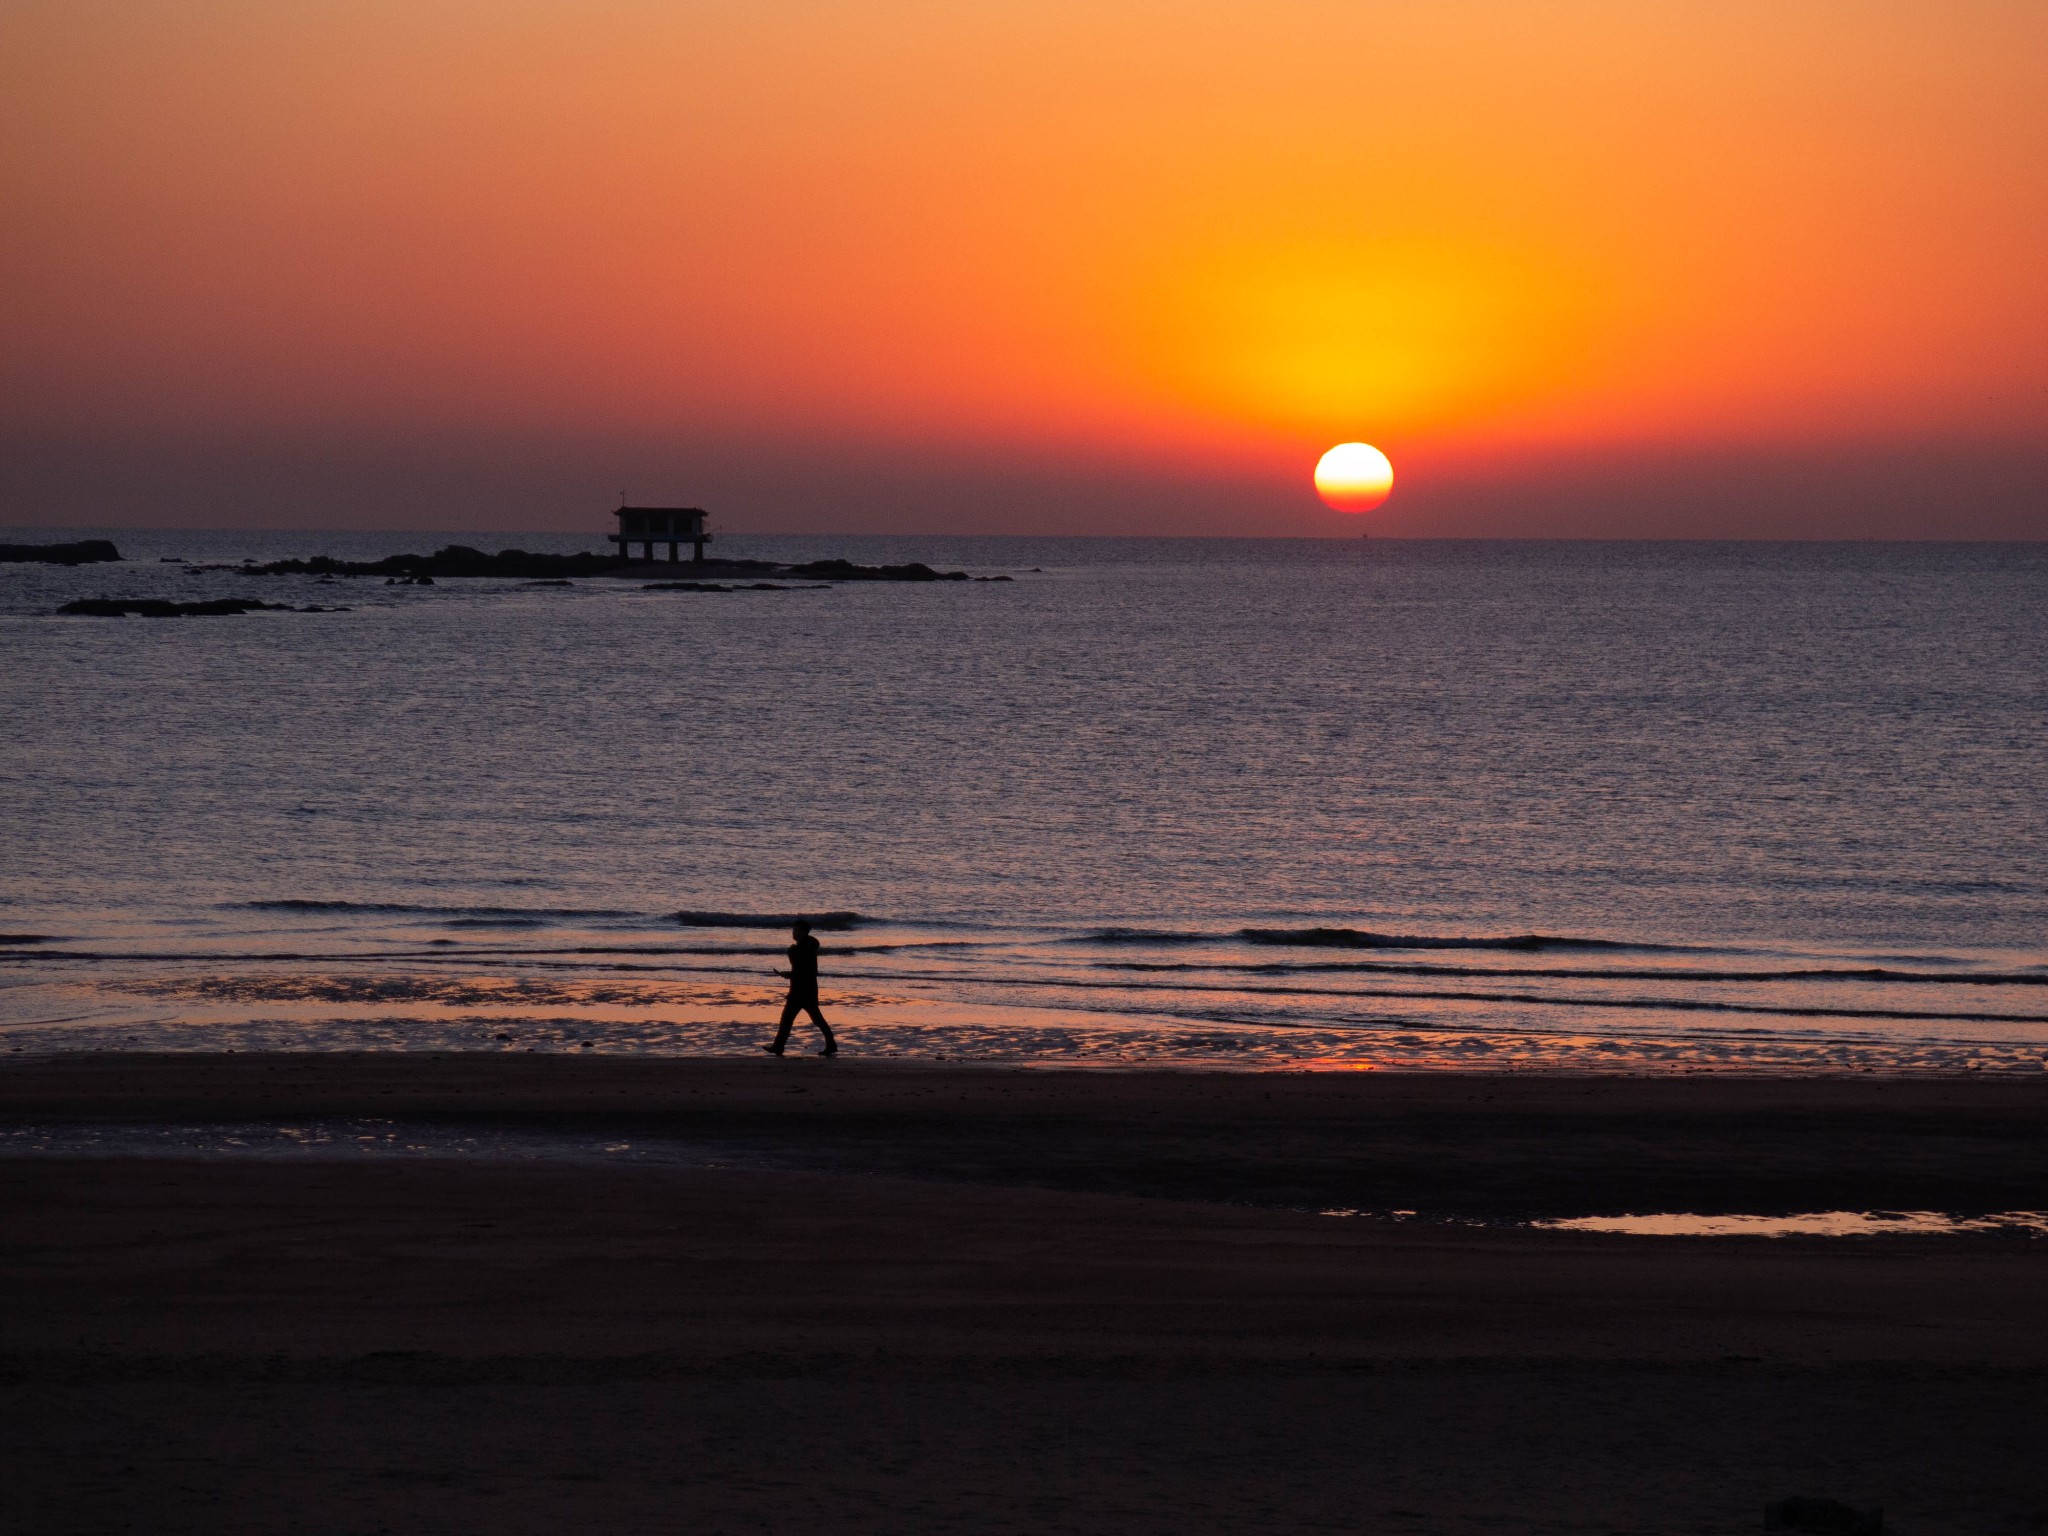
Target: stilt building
[673,526]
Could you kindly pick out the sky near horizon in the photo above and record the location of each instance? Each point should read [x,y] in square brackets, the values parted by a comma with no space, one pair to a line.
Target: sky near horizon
[1580,268]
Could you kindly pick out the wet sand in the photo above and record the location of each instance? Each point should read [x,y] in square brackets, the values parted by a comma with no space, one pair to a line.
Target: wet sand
[1071,1324]
[1458,1144]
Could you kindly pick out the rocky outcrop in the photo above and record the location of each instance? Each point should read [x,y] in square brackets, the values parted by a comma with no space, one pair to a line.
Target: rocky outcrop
[162,608]
[846,570]
[84,552]
[716,586]
[452,560]
[461,560]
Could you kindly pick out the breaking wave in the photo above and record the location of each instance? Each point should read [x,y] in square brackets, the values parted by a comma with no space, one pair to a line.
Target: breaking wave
[1362,938]
[830,922]
[1359,938]
[409,909]
[1141,936]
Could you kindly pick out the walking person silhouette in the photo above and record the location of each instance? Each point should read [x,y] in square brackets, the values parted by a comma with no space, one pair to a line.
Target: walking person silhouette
[803,991]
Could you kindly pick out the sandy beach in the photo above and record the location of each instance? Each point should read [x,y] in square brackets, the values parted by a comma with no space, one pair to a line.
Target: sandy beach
[1013,1301]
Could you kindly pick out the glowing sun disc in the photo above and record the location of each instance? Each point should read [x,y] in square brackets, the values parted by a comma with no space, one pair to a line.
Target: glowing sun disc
[1354,477]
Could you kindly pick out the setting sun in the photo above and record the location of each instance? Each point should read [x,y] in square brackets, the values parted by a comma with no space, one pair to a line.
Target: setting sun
[1354,477]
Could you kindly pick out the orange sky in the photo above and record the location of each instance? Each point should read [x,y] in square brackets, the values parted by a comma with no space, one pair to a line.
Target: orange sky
[853,264]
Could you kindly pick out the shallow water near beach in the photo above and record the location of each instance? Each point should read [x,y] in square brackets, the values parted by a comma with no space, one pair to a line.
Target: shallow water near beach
[1259,804]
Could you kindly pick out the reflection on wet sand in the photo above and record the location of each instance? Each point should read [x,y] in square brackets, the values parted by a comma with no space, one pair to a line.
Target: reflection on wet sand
[1807,1224]
[471,1003]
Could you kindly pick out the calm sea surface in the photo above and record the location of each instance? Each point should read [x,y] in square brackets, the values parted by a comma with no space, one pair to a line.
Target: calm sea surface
[1559,805]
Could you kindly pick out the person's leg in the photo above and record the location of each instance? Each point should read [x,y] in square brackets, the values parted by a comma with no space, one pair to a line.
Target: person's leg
[789,1013]
[818,1018]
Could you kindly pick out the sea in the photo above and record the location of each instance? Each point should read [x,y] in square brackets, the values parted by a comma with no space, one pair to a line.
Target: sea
[1260,804]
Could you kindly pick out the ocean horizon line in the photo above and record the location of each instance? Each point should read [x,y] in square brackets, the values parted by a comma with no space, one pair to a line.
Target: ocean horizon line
[1342,540]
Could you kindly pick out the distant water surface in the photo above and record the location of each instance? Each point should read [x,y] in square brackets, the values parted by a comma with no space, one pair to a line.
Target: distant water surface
[1388,803]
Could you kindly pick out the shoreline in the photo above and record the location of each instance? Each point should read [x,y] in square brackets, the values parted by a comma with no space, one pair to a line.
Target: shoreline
[124,1073]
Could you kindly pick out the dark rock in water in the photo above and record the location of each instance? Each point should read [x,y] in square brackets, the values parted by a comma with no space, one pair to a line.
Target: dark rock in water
[846,570]
[24,938]
[453,560]
[461,560]
[1824,1517]
[85,552]
[995,578]
[715,586]
[161,608]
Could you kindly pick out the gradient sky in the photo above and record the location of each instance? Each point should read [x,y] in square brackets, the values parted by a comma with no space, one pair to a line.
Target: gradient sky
[1580,268]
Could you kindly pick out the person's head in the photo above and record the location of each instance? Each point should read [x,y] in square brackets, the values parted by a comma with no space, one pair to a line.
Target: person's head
[800,929]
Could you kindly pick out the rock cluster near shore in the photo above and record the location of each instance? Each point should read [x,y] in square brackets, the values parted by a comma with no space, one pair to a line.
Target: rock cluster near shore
[84,552]
[163,608]
[846,570]
[719,586]
[461,560]
[453,560]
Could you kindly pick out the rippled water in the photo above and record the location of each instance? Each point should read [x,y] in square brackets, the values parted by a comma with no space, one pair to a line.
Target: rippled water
[1655,807]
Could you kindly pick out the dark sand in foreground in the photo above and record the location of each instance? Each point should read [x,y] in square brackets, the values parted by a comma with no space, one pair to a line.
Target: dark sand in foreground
[1086,1312]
